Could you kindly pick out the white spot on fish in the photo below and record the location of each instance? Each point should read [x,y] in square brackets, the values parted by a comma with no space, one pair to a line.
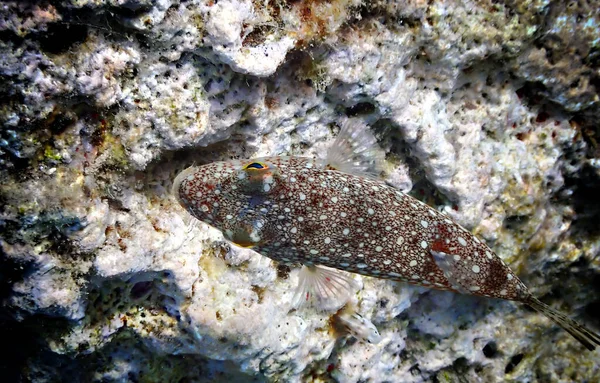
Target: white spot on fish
[462,241]
[475,269]
[424,224]
[424,244]
[413,263]
[302,196]
[371,211]
[361,265]
[346,231]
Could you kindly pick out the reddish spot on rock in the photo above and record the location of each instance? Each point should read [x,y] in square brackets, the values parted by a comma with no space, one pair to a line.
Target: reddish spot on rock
[541,117]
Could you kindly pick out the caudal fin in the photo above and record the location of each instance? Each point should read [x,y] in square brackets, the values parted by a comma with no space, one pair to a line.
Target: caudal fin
[585,336]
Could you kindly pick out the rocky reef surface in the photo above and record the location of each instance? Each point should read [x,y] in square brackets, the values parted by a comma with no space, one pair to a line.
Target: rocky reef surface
[487,110]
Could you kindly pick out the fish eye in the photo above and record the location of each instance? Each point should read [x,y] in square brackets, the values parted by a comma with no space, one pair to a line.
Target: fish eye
[255,165]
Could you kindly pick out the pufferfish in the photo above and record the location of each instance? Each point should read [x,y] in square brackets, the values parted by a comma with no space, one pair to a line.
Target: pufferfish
[334,214]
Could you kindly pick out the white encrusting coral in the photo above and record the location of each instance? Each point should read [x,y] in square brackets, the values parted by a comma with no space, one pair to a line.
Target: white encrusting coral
[105,101]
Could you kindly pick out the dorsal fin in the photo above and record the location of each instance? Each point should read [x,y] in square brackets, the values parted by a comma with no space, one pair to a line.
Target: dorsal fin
[355,150]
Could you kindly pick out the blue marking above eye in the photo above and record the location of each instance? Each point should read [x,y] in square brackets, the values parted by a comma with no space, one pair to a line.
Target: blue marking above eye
[255,165]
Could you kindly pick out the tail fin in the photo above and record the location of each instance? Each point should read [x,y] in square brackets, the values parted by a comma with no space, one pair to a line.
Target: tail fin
[586,337]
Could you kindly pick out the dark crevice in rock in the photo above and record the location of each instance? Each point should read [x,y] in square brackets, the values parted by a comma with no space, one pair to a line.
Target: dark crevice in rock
[460,372]
[22,340]
[28,349]
[173,162]
[8,36]
[513,363]
[360,109]
[515,222]
[60,37]
[32,144]
[123,295]
[490,350]
[76,24]
[391,139]
[585,186]
[579,283]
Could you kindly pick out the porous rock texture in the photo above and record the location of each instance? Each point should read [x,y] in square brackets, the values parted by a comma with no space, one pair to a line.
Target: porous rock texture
[487,110]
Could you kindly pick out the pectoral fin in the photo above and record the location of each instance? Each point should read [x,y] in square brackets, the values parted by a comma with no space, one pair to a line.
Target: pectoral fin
[328,287]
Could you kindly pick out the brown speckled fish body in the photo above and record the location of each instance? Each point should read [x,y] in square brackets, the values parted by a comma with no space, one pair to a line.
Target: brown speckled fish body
[308,211]
[325,217]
